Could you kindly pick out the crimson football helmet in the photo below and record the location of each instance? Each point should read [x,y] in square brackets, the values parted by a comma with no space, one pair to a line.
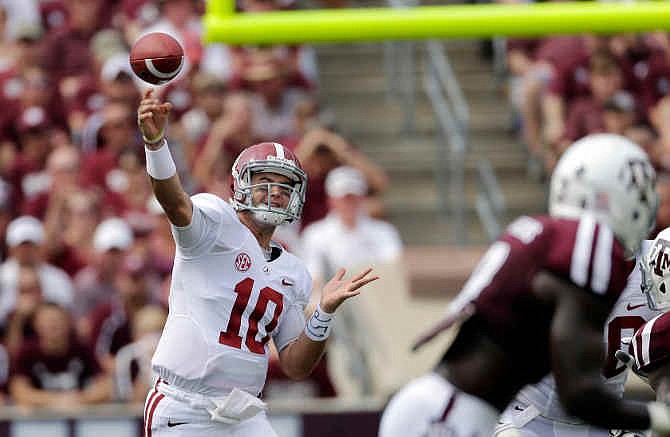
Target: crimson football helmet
[268,158]
[610,177]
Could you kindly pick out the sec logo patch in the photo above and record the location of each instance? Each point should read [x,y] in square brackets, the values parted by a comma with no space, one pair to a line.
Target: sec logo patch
[243,262]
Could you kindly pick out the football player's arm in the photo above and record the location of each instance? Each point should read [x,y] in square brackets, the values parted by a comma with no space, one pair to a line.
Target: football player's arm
[298,358]
[152,117]
[577,356]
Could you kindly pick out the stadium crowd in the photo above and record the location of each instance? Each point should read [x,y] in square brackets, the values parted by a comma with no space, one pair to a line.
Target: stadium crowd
[565,87]
[85,249]
[86,252]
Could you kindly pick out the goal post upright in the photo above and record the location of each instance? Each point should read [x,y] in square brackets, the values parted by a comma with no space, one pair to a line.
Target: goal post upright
[222,24]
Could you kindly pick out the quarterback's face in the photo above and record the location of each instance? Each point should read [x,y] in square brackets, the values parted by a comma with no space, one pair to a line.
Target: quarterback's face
[279,196]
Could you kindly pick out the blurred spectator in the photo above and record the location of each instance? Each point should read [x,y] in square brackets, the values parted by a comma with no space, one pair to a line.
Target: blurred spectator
[533,64]
[29,297]
[94,285]
[160,242]
[24,55]
[659,152]
[320,151]
[273,101]
[62,168]
[130,183]
[229,135]
[619,113]
[54,14]
[67,54]
[56,371]
[25,237]
[18,14]
[117,133]
[6,46]
[118,83]
[209,93]
[353,237]
[115,82]
[133,361]
[663,213]
[111,322]
[585,114]
[69,223]
[28,172]
[569,81]
[31,87]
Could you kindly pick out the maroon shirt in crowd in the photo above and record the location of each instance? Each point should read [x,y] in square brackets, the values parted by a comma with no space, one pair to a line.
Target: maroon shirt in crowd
[71,371]
[585,116]
[67,53]
[111,329]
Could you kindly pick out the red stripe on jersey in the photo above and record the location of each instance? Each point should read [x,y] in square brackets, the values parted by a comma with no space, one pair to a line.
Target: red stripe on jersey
[146,407]
[151,414]
[448,408]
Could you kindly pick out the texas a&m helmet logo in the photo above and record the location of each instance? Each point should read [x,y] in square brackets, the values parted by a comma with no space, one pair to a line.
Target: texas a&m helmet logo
[243,262]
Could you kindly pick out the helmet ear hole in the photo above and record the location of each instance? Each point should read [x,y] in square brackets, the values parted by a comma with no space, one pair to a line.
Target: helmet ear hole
[636,215]
[583,203]
[662,287]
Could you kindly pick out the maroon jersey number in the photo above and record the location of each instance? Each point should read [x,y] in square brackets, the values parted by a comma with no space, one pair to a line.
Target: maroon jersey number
[231,336]
[614,332]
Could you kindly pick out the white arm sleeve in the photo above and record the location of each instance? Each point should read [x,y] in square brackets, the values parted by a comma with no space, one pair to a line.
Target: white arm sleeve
[210,214]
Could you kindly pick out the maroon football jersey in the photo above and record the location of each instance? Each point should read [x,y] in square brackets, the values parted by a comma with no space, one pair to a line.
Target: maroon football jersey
[651,343]
[582,251]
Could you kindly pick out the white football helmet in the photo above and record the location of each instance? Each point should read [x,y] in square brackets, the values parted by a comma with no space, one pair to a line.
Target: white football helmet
[610,177]
[655,271]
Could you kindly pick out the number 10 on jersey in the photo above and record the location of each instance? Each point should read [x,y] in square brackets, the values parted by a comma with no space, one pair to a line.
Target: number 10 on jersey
[231,336]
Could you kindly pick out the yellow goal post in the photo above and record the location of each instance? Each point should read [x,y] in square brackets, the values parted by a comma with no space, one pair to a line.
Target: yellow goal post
[223,24]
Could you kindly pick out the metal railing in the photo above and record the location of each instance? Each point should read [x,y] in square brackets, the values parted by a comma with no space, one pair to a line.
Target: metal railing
[490,202]
[451,150]
[452,113]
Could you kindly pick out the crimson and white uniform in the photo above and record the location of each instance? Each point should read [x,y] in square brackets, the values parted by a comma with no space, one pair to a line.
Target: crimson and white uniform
[651,343]
[506,310]
[537,409]
[226,300]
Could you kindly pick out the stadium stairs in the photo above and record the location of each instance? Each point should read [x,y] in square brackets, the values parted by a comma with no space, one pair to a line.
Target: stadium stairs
[354,87]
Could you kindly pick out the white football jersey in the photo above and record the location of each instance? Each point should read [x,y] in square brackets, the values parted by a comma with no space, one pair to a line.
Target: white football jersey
[225,302]
[629,313]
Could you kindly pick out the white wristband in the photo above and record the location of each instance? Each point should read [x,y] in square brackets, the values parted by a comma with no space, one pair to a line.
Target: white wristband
[659,417]
[319,325]
[160,164]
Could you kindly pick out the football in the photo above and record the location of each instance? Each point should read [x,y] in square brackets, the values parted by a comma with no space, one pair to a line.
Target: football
[157,58]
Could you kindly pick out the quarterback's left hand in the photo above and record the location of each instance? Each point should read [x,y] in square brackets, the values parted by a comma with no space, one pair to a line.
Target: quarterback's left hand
[337,291]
